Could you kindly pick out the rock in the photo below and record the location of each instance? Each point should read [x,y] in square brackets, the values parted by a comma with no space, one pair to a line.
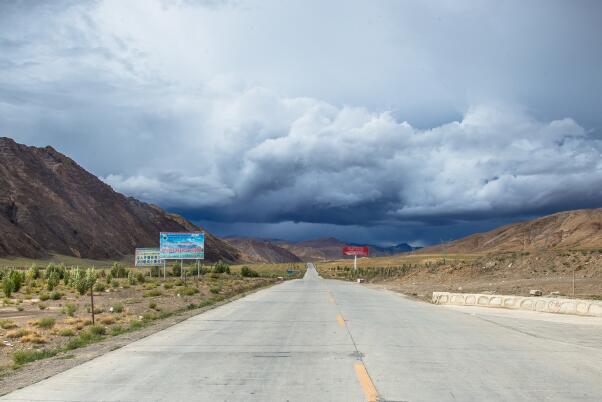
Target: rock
[361,280]
[535,292]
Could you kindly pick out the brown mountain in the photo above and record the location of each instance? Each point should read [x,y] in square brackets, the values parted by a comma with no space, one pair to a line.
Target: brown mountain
[49,204]
[327,248]
[260,251]
[570,230]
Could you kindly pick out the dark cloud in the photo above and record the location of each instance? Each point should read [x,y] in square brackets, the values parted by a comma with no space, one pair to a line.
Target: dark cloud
[389,120]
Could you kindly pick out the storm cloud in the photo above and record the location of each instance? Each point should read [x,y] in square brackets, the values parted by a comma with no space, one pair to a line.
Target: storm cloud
[395,121]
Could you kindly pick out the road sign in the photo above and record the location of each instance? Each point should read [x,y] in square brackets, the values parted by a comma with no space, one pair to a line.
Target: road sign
[182,246]
[355,250]
[147,257]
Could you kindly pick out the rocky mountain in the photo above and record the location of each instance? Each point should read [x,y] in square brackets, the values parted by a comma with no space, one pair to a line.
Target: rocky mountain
[261,251]
[570,230]
[49,204]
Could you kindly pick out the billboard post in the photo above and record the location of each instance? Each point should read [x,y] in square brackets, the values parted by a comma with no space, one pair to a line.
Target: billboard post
[355,251]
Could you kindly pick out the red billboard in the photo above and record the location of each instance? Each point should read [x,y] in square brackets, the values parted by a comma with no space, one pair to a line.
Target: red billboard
[355,250]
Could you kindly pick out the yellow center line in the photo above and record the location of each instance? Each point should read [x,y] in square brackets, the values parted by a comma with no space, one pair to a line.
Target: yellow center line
[367,385]
[340,320]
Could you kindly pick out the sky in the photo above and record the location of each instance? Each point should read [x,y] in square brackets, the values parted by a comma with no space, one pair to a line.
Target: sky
[372,121]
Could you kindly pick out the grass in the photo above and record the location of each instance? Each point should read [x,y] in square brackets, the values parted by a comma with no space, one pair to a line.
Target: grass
[22,357]
[66,332]
[153,293]
[7,324]
[46,322]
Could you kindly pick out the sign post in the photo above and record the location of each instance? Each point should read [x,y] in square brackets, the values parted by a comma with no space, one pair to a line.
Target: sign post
[355,251]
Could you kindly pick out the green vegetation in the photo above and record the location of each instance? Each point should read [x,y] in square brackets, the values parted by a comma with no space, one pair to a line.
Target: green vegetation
[46,322]
[70,309]
[27,356]
[248,272]
[66,332]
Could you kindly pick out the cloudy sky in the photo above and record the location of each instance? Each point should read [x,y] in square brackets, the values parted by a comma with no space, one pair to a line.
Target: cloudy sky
[373,121]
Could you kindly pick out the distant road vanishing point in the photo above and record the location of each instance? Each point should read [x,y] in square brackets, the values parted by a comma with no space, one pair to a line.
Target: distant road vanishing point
[323,340]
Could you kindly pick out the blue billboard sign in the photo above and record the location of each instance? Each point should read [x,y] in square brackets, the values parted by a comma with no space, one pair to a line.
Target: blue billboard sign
[182,246]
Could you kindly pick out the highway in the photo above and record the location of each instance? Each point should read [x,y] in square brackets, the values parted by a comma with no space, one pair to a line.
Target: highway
[322,340]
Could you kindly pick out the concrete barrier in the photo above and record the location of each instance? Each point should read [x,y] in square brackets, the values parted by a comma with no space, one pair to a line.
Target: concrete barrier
[592,308]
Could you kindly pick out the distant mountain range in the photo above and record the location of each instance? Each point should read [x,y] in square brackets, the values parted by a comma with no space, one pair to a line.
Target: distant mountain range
[569,230]
[329,248]
[51,205]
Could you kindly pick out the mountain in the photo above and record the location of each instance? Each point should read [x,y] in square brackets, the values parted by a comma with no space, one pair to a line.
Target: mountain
[330,248]
[569,230]
[260,251]
[49,204]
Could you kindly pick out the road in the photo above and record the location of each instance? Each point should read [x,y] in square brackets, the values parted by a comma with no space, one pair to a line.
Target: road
[323,340]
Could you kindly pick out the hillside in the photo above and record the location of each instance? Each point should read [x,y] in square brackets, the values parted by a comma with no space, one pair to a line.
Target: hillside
[570,230]
[49,204]
[258,251]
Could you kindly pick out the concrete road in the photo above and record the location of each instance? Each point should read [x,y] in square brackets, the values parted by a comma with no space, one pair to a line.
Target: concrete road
[321,340]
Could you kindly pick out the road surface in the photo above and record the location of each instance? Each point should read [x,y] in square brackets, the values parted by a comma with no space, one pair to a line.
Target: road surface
[323,340]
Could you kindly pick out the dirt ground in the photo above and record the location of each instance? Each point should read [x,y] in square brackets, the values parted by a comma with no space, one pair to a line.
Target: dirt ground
[37,320]
[509,273]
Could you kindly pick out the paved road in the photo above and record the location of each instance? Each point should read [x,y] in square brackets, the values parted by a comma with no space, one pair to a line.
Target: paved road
[320,340]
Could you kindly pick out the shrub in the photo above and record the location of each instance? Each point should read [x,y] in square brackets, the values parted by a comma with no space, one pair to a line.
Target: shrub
[53,280]
[177,269]
[153,293]
[12,282]
[107,320]
[27,356]
[248,272]
[168,285]
[33,272]
[131,278]
[109,278]
[46,322]
[70,309]
[140,277]
[152,305]
[221,268]
[55,295]
[66,332]
[117,330]
[97,330]
[67,278]
[18,333]
[115,283]
[55,269]
[188,291]
[118,271]
[215,290]
[44,296]
[7,324]
[84,281]
[118,308]
[134,325]
[99,287]
[42,306]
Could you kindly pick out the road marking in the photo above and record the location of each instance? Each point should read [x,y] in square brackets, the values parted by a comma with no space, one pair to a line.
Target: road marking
[340,320]
[367,385]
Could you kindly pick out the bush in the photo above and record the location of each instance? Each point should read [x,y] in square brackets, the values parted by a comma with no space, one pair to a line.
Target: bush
[27,356]
[84,281]
[221,268]
[152,305]
[177,269]
[46,322]
[134,325]
[99,287]
[168,285]
[53,280]
[66,332]
[44,296]
[33,272]
[153,293]
[42,306]
[118,271]
[67,278]
[140,277]
[18,333]
[55,295]
[109,278]
[131,278]
[7,324]
[248,272]
[118,308]
[188,291]
[97,330]
[215,290]
[70,309]
[12,282]
[51,269]
[117,330]
[107,319]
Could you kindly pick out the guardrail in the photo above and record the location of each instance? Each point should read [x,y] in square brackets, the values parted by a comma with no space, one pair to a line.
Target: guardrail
[582,307]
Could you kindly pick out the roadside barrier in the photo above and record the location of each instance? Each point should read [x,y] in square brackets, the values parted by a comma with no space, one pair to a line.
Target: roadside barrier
[592,308]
